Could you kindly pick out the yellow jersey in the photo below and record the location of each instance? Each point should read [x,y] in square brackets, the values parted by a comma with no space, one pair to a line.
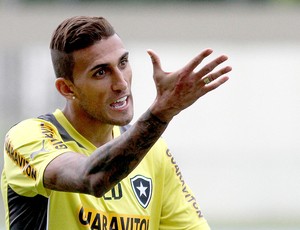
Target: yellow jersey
[153,196]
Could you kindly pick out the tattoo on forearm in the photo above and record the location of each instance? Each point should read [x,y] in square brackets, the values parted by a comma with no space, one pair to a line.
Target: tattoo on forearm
[115,160]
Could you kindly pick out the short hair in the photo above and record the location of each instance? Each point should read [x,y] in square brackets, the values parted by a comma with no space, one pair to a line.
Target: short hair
[74,34]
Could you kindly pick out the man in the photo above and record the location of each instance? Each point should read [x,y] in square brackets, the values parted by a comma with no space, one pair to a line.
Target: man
[84,167]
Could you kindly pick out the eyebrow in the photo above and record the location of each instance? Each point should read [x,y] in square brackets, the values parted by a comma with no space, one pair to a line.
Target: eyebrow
[107,64]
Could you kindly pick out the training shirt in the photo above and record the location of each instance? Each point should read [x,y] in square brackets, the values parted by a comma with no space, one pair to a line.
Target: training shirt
[153,196]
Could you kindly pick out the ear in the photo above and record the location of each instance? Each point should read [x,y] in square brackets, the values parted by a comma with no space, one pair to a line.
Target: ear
[65,88]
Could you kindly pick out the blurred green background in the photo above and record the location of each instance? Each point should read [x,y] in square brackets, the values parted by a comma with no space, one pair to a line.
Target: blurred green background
[238,147]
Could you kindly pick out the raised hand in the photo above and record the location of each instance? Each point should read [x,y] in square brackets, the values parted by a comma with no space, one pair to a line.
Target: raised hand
[180,89]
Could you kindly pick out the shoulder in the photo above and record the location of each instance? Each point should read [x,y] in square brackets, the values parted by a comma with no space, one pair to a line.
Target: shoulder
[29,124]
[25,126]
[25,131]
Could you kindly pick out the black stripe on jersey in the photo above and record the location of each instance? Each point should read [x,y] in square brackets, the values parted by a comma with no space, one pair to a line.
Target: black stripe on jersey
[26,213]
[65,136]
[63,133]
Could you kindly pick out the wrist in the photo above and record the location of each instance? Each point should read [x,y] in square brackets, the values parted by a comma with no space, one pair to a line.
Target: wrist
[157,118]
[165,116]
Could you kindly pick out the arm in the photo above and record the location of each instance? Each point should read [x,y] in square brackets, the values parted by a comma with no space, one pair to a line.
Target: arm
[97,174]
[74,172]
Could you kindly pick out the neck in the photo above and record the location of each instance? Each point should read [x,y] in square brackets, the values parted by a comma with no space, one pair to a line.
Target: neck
[94,131]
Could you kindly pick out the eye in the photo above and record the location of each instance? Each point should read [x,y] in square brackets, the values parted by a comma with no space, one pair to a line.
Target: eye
[124,62]
[99,73]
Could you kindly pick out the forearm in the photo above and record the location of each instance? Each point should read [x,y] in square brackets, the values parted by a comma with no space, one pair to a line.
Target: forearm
[115,160]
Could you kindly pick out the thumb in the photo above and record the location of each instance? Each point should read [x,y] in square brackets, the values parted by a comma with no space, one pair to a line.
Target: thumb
[155,61]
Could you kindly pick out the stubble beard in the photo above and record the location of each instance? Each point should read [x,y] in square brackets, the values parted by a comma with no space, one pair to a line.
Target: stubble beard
[93,113]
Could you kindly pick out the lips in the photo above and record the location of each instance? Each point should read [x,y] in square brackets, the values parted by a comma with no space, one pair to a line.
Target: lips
[120,103]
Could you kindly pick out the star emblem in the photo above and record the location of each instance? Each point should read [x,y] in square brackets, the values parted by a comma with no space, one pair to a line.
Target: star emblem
[142,189]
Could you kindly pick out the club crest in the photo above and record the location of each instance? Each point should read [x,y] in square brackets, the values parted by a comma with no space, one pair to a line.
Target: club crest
[142,188]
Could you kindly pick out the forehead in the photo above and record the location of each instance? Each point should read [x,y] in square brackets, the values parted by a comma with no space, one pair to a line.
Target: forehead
[106,51]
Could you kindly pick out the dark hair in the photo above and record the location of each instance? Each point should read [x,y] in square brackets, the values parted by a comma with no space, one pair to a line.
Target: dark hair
[73,34]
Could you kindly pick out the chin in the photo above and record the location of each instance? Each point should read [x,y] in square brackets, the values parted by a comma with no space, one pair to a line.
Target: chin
[120,123]
[123,121]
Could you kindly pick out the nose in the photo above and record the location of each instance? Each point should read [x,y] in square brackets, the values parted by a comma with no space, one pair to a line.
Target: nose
[119,82]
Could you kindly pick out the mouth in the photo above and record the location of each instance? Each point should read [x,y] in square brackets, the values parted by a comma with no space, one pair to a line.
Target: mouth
[120,103]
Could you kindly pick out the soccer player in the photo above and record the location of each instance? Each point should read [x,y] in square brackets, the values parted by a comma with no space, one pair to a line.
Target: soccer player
[85,167]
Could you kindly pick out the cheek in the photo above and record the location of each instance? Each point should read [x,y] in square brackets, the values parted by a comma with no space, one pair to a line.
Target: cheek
[128,75]
[92,93]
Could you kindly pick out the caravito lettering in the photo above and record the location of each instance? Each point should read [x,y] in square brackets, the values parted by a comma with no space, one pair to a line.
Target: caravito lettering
[20,160]
[189,197]
[50,134]
[98,220]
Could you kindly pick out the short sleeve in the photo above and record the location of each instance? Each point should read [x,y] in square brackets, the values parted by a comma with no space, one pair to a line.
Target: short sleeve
[180,209]
[28,148]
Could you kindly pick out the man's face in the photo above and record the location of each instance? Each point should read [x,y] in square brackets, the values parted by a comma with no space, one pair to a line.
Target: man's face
[102,79]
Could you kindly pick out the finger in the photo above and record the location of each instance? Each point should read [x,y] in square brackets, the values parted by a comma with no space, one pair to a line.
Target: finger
[212,65]
[212,77]
[215,84]
[155,60]
[197,60]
